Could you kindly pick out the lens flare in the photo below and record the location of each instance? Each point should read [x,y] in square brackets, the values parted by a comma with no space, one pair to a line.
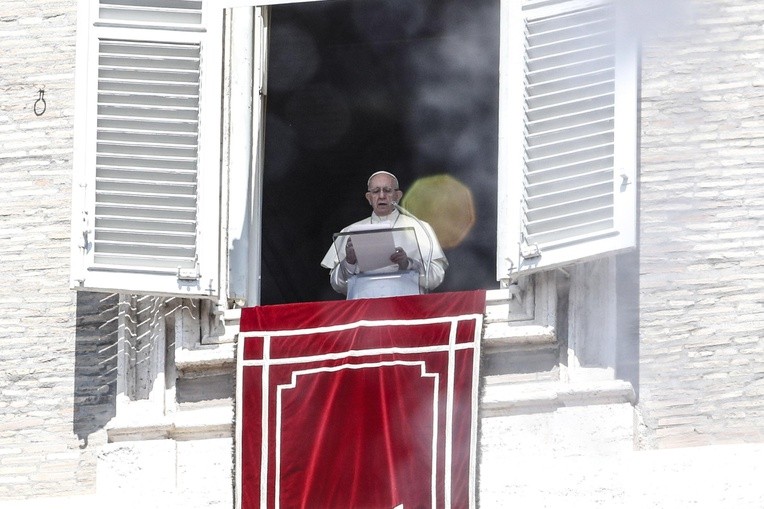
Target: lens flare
[446,204]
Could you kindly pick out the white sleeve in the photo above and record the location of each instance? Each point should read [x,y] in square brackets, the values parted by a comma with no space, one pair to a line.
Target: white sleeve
[433,276]
[338,277]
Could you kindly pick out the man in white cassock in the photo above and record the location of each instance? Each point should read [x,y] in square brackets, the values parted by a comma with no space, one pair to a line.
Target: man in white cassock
[419,255]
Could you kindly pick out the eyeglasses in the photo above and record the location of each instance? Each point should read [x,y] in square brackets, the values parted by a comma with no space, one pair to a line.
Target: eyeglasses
[385,190]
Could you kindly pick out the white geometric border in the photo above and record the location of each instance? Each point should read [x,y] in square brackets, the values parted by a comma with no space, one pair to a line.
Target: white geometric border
[452,347]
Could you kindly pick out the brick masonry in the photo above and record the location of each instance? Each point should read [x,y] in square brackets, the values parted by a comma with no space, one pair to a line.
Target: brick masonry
[40,451]
[702,228]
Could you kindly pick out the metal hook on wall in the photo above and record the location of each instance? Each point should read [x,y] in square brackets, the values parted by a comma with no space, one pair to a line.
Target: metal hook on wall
[39,105]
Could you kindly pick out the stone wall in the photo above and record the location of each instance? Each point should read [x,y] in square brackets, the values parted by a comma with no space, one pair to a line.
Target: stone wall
[45,446]
[702,227]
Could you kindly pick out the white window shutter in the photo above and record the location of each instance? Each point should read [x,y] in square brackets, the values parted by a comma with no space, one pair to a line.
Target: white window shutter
[147,148]
[567,135]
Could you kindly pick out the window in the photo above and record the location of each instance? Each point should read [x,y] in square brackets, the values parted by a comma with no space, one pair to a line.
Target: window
[151,109]
[409,86]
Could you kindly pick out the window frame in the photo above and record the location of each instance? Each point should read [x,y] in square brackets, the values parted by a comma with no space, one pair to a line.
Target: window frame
[236,278]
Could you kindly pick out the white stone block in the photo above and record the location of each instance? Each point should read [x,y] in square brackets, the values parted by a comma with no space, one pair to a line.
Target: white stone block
[137,467]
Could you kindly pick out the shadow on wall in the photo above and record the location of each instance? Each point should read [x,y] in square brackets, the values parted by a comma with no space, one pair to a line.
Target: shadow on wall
[627,334]
[95,363]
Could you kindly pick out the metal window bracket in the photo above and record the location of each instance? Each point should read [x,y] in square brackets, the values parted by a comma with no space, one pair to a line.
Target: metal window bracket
[189,274]
[528,251]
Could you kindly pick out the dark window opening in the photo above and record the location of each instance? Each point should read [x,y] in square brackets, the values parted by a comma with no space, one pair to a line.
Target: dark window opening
[406,86]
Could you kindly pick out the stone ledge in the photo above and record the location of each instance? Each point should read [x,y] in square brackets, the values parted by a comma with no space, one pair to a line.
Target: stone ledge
[512,398]
[499,336]
[213,358]
[214,422]
[207,423]
[508,304]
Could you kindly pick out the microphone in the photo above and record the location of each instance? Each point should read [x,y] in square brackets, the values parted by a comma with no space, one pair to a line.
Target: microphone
[429,240]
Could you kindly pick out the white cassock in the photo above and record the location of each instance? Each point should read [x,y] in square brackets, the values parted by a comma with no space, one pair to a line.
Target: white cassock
[425,254]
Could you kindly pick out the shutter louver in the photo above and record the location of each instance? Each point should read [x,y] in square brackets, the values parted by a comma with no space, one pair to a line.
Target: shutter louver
[567,170]
[569,122]
[146,175]
[152,12]
[150,149]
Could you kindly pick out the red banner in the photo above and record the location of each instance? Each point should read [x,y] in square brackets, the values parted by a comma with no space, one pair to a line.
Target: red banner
[367,403]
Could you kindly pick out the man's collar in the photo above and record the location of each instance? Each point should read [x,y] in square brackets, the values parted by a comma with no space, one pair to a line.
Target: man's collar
[390,218]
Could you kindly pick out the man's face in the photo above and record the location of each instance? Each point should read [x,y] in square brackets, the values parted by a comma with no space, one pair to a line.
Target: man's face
[382,193]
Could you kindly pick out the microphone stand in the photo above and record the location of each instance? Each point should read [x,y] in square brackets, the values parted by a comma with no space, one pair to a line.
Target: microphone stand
[429,239]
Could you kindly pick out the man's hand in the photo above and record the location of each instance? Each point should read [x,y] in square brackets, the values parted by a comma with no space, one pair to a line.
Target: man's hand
[350,253]
[401,258]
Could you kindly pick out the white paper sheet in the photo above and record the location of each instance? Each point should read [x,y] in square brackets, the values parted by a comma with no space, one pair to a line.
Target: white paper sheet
[373,246]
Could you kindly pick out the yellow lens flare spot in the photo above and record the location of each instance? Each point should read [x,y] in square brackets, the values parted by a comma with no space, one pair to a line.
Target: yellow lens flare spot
[446,204]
